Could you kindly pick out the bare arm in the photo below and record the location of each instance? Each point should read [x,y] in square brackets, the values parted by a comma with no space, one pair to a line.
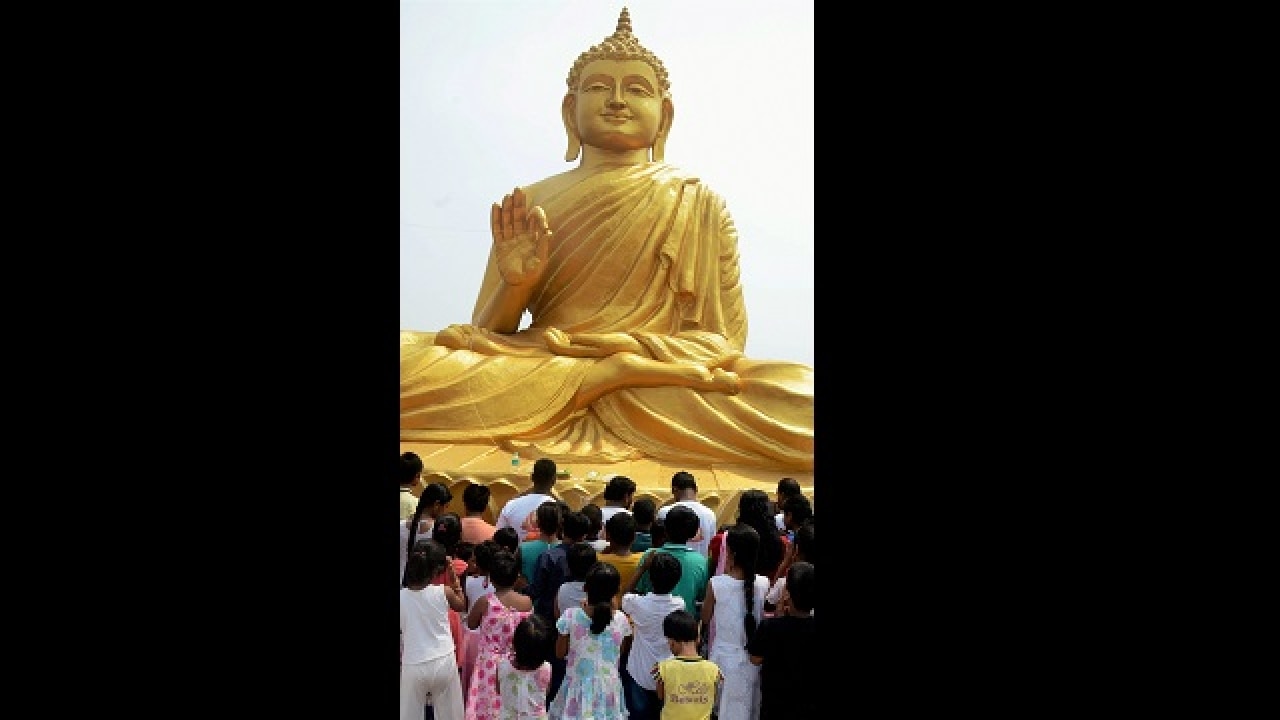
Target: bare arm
[708,605]
[477,612]
[562,646]
[453,590]
[641,569]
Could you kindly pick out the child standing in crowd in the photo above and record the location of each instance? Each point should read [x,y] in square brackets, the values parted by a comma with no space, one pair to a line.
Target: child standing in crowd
[549,574]
[428,662]
[734,606]
[431,504]
[783,648]
[547,516]
[476,585]
[682,524]
[644,511]
[508,539]
[524,675]
[581,556]
[596,517]
[621,531]
[685,681]
[495,615]
[802,550]
[590,638]
[649,642]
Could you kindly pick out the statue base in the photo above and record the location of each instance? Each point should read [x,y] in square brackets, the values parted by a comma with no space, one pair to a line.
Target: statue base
[718,486]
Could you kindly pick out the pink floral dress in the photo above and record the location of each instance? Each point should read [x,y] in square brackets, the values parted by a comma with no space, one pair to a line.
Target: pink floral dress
[494,634]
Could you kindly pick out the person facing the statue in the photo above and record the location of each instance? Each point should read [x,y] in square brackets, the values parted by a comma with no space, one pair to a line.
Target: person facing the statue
[629,270]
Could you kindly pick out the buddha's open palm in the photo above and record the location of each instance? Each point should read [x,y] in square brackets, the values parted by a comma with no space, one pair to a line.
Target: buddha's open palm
[521,239]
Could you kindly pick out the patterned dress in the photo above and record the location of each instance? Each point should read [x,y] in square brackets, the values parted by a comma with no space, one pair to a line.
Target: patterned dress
[592,687]
[524,692]
[494,635]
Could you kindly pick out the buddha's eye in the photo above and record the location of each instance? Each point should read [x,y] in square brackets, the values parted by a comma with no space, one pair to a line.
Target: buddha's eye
[597,87]
[639,90]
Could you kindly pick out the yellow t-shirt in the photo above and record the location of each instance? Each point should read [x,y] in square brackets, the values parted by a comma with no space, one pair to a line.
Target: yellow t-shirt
[626,566]
[690,686]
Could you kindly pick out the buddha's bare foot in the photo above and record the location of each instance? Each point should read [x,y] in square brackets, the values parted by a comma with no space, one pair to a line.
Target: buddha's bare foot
[725,381]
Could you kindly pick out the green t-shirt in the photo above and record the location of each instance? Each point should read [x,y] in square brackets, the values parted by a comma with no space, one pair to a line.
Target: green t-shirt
[692,586]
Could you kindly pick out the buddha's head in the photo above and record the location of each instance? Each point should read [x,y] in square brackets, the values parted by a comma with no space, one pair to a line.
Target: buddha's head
[619,97]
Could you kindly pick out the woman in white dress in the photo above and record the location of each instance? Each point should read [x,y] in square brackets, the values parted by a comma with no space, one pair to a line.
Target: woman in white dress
[734,606]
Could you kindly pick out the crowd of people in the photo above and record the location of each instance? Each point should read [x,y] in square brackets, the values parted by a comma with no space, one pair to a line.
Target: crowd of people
[620,611]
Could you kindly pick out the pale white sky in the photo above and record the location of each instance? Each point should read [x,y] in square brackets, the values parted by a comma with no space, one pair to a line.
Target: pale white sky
[480,88]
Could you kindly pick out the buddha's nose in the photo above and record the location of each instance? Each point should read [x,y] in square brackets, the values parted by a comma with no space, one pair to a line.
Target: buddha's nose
[617,99]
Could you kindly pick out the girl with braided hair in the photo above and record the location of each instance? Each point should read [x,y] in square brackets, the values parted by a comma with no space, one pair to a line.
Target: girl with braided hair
[734,606]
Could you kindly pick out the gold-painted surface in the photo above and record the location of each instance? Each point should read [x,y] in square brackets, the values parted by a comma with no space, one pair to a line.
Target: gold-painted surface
[629,270]
[718,487]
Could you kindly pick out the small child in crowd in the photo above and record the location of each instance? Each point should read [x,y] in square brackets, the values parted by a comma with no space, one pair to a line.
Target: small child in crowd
[581,557]
[686,681]
[649,642]
[783,648]
[590,639]
[525,675]
[429,665]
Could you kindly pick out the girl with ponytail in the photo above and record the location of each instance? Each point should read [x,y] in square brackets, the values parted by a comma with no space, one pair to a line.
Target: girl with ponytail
[734,606]
[591,636]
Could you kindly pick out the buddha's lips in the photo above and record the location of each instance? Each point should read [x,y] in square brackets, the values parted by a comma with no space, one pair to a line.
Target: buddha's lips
[616,118]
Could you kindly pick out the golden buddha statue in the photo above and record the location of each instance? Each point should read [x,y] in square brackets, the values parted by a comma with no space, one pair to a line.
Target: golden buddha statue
[628,268]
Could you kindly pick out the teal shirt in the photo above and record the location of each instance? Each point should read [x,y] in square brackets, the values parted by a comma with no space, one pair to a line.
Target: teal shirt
[694,572]
[530,551]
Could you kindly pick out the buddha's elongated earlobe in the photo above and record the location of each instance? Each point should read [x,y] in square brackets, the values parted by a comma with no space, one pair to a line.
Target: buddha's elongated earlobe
[566,114]
[660,142]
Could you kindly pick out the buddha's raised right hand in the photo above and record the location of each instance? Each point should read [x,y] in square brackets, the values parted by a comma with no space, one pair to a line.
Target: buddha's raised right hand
[521,239]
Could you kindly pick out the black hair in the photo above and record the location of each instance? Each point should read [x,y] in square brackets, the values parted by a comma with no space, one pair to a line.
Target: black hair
[530,642]
[596,516]
[681,626]
[684,480]
[658,532]
[548,518]
[503,569]
[448,531]
[507,537]
[426,560]
[476,498]
[484,555]
[754,509]
[664,572]
[804,541]
[463,550]
[575,527]
[800,508]
[410,468]
[544,473]
[800,585]
[618,488]
[788,487]
[645,510]
[744,542]
[682,523]
[431,494]
[621,529]
[601,584]
[580,557]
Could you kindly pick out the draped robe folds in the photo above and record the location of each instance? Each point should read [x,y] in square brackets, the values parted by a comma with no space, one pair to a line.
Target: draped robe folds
[643,250]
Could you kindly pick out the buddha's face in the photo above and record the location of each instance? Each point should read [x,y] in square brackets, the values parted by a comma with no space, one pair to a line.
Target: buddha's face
[618,105]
